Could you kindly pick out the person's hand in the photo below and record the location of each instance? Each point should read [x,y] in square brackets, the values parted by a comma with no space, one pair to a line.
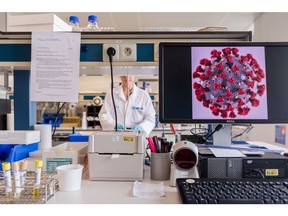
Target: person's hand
[137,128]
[119,126]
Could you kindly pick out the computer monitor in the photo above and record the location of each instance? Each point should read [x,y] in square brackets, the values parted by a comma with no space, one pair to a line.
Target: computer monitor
[223,82]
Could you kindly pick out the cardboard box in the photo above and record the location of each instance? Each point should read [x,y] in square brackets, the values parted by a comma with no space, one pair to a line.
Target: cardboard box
[66,153]
[36,23]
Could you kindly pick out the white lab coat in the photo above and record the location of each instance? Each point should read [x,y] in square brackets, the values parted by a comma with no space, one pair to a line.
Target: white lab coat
[139,110]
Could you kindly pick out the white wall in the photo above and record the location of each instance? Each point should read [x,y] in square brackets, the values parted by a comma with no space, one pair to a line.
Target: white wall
[269,27]
[3,21]
[101,84]
[94,84]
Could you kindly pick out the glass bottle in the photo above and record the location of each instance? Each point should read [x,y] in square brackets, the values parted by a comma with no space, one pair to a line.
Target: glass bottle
[74,23]
[92,24]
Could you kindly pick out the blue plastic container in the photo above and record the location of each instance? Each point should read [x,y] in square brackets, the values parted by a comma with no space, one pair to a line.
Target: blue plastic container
[15,152]
[78,137]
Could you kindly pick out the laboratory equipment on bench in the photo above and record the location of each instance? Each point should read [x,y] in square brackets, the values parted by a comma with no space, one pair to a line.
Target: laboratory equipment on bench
[92,24]
[74,23]
[184,161]
[45,190]
[7,177]
[116,155]
[38,170]
[16,145]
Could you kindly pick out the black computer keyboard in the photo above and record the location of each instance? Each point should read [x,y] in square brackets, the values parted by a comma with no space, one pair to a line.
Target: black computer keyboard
[233,191]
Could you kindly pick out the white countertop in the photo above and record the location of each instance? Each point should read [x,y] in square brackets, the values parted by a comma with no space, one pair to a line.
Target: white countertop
[113,192]
[120,192]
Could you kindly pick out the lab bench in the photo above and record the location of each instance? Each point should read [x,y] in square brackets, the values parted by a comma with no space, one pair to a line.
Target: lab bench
[120,192]
[114,192]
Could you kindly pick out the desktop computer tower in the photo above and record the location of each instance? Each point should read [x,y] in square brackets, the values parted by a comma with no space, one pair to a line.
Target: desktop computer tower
[212,167]
[270,165]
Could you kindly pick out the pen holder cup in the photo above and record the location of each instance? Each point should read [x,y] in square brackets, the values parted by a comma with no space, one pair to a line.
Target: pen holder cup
[160,166]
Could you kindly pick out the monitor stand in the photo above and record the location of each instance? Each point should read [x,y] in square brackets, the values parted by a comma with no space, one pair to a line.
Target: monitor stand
[223,136]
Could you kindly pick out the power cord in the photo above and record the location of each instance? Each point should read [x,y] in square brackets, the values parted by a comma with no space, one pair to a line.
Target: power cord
[111,52]
[199,134]
[246,130]
[203,139]
[260,172]
[217,128]
[56,119]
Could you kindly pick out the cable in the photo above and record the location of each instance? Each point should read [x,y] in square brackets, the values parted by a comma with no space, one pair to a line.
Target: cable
[163,130]
[55,121]
[217,128]
[203,139]
[259,172]
[201,131]
[111,52]
[199,134]
[247,130]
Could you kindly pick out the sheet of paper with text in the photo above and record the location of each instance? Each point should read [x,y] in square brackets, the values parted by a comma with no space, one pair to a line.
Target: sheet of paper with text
[55,66]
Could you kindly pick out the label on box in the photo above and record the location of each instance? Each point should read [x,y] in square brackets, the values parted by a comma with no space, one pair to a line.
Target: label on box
[115,138]
[129,138]
[271,172]
[52,163]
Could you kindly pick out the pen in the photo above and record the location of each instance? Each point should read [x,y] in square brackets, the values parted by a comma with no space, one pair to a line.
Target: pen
[173,129]
[156,143]
[170,145]
[164,146]
[151,144]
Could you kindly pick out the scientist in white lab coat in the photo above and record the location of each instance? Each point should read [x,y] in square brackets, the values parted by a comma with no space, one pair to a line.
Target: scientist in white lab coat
[133,105]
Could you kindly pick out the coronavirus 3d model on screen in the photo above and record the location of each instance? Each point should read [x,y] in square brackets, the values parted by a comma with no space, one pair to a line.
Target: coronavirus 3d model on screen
[229,83]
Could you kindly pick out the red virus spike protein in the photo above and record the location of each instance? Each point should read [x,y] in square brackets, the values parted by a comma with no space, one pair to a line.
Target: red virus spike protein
[229,83]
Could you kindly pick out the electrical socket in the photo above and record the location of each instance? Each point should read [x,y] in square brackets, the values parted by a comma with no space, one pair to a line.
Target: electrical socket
[105,55]
[127,52]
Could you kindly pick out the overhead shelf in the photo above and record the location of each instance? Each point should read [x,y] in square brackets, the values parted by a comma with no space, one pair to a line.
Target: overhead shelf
[232,35]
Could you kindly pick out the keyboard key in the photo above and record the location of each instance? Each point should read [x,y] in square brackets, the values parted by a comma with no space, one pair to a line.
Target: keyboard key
[268,201]
[212,201]
[203,201]
[192,201]
[278,201]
